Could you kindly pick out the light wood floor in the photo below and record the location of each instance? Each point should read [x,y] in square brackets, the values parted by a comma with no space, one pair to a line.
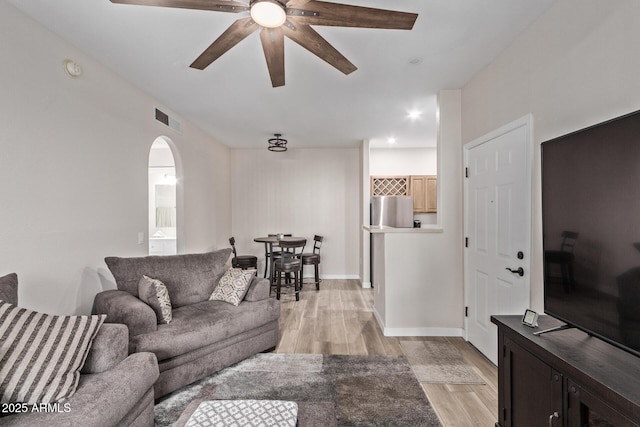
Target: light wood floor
[339,320]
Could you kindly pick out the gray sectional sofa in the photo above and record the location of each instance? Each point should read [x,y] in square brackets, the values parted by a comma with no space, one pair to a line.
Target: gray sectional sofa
[204,336]
[115,388]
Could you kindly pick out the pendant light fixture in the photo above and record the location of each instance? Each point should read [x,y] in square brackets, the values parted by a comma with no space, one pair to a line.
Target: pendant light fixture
[277,143]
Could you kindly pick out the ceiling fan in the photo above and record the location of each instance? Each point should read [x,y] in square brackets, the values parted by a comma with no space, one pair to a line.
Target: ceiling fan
[290,18]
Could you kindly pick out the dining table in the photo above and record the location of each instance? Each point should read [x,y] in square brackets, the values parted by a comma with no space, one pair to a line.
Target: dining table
[271,241]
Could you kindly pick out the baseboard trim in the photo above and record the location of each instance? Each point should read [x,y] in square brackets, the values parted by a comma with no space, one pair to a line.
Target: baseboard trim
[417,332]
[378,318]
[423,332]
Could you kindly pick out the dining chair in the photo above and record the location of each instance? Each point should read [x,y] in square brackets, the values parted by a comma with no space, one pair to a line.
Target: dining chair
[289,265]
[270,255]
[242,261]
[313,258]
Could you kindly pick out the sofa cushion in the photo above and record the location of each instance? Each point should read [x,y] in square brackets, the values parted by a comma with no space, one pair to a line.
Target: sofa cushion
[204,323]
[259,289]
[154,293]
[41,355]
[9,288]
[189,278]
[233,286]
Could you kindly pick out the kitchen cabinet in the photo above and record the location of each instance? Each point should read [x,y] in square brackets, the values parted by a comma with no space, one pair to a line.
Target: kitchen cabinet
[423,188]
[424,191]
[563,378]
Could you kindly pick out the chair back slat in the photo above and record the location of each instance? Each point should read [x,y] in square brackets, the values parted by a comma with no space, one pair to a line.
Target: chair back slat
[317,243]
[232,242]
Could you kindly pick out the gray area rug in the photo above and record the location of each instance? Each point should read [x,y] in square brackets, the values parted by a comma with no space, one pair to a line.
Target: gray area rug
[439,362]
[330,390]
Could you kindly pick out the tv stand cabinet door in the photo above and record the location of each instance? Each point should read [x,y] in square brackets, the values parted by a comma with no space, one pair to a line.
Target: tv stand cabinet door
[532,395]
[587,410]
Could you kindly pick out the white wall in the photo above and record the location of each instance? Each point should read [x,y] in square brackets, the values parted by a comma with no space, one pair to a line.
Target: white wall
[403,161]
[365,213]
[443,252]
[303,192]
[575,66]
[73,171]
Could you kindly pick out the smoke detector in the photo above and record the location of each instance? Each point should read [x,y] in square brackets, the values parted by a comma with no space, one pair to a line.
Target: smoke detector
[72,68]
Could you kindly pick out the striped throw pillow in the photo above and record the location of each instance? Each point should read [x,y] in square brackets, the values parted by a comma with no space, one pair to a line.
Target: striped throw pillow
[41,354]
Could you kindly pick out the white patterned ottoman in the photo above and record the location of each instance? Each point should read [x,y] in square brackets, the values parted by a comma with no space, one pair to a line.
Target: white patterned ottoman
[240,413]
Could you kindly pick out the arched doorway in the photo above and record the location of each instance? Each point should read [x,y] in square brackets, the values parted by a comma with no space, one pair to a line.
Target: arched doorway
[163,224]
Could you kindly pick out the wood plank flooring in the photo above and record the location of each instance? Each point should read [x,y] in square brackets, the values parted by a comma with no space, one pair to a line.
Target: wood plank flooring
[339,320]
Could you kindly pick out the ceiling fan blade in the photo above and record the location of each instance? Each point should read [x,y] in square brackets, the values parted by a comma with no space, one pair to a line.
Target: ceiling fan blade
[316,12]
[308,38]
[215,5]
[273,46]
[233,35]
[297,3]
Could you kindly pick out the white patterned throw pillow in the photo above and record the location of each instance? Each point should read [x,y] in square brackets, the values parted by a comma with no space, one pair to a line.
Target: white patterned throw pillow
[155,294]
[41,355]
[233,286]
[245,413]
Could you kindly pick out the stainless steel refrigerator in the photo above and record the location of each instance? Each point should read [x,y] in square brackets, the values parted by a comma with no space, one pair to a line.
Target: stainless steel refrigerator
[392,211]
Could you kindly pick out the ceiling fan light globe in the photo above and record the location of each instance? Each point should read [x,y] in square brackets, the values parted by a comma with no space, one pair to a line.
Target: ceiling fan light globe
[268,13]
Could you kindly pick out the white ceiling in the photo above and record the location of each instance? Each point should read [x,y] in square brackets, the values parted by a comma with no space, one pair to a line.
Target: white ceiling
[232,99]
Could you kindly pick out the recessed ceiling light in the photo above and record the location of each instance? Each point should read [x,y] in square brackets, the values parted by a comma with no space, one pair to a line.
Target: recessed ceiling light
[391,140]
[414,114]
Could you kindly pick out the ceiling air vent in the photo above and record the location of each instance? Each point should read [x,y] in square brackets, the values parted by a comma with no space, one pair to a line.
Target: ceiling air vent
[166,120]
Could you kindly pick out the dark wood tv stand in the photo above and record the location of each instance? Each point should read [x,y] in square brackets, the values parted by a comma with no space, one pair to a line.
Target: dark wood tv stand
[564,378]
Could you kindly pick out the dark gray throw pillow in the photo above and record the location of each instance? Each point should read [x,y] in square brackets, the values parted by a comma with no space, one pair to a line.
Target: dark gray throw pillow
[9,288]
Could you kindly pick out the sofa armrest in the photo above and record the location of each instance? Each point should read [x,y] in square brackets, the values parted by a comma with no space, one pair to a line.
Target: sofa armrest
[110,347]
[259,290]
[101,400]
[122,307]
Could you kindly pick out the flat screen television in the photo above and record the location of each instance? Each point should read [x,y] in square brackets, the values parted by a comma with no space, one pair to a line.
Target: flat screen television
[591,230]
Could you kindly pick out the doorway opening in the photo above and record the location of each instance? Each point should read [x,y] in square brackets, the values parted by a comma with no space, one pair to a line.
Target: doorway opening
[163,224]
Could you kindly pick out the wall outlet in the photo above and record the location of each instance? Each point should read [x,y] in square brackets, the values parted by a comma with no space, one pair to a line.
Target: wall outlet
[140,237]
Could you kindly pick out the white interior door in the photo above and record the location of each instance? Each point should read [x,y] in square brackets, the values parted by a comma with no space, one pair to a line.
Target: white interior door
[497,230]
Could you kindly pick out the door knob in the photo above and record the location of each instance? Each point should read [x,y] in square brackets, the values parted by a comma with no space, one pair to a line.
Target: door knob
[519,271]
